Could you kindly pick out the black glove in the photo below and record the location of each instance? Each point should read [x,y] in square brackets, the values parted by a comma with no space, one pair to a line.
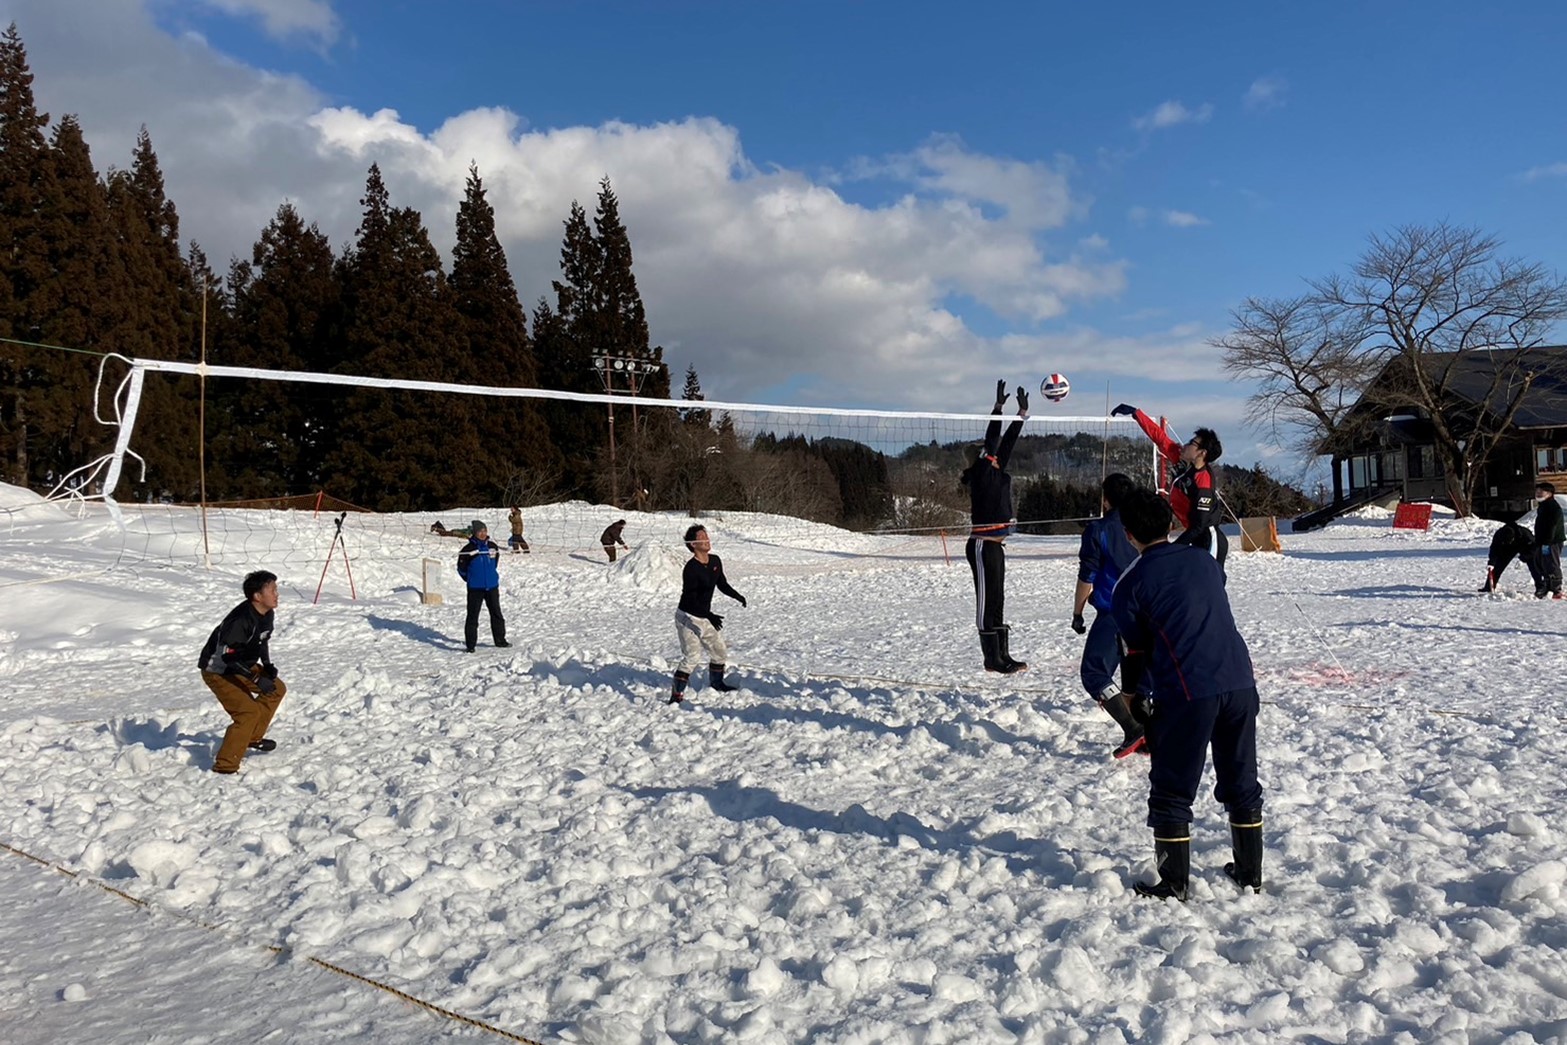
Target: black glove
[1077,623]
[266,684]
[717,620]
[1022,400]
[740,599]
[1124,410]
[269,670]
[1001,395]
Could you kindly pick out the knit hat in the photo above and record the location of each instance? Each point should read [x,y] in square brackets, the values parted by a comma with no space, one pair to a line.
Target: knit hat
[475,526]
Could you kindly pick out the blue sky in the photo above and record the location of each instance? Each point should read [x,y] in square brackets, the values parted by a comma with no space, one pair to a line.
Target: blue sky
[1006,191]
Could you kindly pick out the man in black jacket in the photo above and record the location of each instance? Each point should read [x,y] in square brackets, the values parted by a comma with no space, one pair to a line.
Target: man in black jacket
[1548,537]
[992,520]
[1509,542]
[236,665]
[697,626]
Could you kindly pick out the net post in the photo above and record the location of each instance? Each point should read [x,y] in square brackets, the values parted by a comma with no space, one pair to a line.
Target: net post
[426,596]
[122,442]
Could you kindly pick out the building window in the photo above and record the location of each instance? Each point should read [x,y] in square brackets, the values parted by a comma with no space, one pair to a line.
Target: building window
[1422,462]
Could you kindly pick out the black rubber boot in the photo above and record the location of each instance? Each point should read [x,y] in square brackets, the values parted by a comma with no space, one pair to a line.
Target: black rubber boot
[1173,858]
[990,643]
[1119,708]
[1005,632]
[1246,844]
[679,692]
[715,677]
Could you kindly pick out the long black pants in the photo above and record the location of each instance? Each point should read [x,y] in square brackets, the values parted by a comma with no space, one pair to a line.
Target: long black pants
[490,597]
[988,561]
[1179,735]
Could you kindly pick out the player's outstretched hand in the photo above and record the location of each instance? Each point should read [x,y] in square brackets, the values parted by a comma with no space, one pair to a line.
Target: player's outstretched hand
[1001,394]
[1022,400]
[1124,410]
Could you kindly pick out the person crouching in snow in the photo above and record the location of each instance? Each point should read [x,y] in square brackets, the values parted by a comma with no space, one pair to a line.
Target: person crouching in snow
[1510,542]
[1183,649]
[236,664]
[697,626]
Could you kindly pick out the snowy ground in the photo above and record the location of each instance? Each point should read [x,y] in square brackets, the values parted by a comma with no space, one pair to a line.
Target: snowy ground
[872,841]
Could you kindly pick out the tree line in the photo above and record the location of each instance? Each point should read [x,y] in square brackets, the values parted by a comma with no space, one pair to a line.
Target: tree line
[94,264]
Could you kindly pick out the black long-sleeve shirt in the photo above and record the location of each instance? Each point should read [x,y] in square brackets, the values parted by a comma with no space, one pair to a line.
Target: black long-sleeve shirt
[239,642]
[1548,527]
[698,582]
[989,486]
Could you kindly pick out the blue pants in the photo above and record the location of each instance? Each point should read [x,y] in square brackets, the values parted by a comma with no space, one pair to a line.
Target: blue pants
[1179,736]
[1101,654]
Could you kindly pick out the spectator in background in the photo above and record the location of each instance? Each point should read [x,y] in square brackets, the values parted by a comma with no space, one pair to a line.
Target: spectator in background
[1511,541]
[236,664]
[516,541]
[611,537]
[1548,537]
[478,563]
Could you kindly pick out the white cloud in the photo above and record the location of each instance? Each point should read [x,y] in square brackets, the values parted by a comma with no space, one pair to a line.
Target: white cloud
[286,18]
[1265,92]
[1182,219]
[1137,215]
[1172,114]
[758,277]
[1549,170]
[1034,195]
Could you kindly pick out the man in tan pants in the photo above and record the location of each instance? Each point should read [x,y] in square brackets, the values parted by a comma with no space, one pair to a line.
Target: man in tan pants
[237,666]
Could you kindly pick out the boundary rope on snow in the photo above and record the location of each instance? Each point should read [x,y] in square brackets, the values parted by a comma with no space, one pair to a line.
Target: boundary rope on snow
[338,969]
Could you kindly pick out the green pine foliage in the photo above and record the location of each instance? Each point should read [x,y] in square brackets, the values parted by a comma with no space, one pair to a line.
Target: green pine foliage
[396,450]
[494,332]
[26,174]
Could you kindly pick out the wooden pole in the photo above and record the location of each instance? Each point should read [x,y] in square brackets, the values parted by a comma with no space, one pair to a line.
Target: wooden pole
[201,445]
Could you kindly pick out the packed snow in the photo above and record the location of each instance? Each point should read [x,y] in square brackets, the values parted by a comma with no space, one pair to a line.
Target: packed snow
[871,841]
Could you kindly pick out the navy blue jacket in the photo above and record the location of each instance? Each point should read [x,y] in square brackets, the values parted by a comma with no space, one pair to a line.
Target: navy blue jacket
[479,564]
[1103,557]
[1174,617]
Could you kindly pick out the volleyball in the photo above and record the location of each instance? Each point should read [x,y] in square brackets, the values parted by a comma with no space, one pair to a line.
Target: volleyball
[1055,387]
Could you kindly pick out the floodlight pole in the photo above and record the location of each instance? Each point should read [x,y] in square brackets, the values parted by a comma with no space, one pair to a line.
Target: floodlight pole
[634,368]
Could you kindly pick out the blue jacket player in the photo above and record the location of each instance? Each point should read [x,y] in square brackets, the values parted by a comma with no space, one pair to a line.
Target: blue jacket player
[1101,559]
[1184,651]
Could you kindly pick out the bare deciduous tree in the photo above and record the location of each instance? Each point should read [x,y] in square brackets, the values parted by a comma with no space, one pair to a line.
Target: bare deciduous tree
[1403,330]
[1311,364]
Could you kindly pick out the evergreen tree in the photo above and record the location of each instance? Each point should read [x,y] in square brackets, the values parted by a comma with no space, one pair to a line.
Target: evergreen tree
[157,319]
[402,450]
[565,352]
[26,171]
[68,306]
[693,393]
[285,300]
[495,337]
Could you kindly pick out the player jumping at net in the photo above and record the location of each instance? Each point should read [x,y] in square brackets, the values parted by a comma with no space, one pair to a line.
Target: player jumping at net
[1194,495]
[991,521]
[697,626]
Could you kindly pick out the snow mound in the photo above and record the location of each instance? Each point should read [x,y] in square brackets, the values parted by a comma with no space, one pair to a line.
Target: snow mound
[649,567]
